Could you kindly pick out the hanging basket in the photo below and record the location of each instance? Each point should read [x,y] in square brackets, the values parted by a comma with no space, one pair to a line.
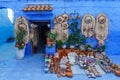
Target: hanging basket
[60,19]
[65,16]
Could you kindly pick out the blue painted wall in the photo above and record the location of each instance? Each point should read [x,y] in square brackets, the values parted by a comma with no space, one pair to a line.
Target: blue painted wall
[6,27]
[111,8]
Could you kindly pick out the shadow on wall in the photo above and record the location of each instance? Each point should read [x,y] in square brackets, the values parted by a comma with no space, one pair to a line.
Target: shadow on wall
[6,25]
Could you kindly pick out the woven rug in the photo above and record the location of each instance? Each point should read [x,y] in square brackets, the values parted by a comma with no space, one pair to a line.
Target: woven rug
[77,70]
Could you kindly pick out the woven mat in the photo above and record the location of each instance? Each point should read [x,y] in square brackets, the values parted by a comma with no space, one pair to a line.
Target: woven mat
[77,70]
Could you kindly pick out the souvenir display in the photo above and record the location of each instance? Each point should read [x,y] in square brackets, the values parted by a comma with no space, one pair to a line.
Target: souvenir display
[101,28]
[72,49]
[88,25]
[65,39]
[61,27]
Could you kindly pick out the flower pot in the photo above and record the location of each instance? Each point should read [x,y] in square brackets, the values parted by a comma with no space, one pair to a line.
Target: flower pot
[60,50]
[82,52]
[20,53]
[67,50]
[49,44]
[68,70]
[69,73]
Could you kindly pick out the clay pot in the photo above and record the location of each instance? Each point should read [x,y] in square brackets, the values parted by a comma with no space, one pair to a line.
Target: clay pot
[49,43]
[67,50]
[69,72]
[29,9]
[60,50]
[83,52]
[63,73]
[117,72]
[25,9]
[68,64]
[58,70]
[38,9]
[45,8]
[58,75]
[76,50]
[115,66]
[50,8]
[51,57]
[54,58]
[33,8]
[62,54]
[38,6]
[41,8]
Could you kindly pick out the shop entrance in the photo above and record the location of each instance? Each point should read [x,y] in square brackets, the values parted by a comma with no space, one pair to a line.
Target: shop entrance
[43,28]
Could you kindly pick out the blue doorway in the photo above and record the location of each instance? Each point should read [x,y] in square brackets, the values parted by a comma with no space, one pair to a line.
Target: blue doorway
[42,28]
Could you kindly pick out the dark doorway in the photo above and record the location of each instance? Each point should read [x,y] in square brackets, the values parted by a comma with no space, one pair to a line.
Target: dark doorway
[43,28]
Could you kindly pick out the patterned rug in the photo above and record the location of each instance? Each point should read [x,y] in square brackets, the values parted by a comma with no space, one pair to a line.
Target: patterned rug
[78,70]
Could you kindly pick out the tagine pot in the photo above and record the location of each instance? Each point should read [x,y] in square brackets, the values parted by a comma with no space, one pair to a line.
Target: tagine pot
[20,53]
[117,72]
[69,73]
